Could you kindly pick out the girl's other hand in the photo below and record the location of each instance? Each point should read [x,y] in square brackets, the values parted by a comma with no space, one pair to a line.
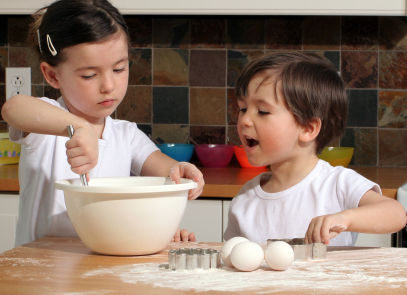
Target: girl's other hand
[188,170]
[182,235]
[324,228]
[82,150]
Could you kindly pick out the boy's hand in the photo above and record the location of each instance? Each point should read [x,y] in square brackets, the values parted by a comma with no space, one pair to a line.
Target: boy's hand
[188,170]
[323,228]
[82,150]
[183,236]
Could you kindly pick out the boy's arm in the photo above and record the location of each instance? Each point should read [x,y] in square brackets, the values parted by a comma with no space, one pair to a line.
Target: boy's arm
[375,214]
[31,114]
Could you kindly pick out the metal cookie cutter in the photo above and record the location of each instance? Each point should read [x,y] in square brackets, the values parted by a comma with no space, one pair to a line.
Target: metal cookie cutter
[193,258]
[304,251]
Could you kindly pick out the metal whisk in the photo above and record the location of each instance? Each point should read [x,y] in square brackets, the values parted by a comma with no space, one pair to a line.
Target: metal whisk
[83,176]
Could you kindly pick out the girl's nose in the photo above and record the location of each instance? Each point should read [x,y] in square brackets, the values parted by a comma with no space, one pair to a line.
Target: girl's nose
[107,83]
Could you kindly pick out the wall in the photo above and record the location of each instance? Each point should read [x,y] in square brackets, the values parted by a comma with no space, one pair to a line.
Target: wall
[183,71]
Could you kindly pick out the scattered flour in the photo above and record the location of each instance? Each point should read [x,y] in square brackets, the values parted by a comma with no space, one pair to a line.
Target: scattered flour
[341,271]
[17,261]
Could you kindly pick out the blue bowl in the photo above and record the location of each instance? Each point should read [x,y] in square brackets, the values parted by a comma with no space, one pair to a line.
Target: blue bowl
[182,152]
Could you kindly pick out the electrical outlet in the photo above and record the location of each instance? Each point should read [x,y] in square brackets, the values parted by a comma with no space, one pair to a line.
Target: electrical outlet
[18,81]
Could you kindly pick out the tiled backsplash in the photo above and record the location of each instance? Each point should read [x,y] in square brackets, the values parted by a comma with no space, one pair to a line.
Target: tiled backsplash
[184,68]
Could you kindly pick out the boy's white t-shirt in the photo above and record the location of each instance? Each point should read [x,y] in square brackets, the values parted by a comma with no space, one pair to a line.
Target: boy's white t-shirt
[122,152]
[258,215]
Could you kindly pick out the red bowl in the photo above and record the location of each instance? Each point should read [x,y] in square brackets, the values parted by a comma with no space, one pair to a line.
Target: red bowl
[242,158]
[214,155]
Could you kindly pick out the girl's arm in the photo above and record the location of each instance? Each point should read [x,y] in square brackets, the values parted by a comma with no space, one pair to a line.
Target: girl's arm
[376,214]
[159,164]
[31,114]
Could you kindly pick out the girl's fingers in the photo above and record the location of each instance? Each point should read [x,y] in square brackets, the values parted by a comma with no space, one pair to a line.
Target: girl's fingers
[176,236]
[192,237]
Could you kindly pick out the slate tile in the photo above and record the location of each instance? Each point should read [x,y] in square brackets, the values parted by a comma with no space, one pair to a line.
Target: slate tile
[170,105]
[207,106]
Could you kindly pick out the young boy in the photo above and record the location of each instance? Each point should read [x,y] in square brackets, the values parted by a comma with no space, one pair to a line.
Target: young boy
[290,106]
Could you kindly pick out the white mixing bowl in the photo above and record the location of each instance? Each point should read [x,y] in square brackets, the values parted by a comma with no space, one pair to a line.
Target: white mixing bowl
[126,215]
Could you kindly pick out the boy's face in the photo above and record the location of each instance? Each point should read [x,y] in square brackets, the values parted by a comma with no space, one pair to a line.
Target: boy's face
[93,78]
[267,129]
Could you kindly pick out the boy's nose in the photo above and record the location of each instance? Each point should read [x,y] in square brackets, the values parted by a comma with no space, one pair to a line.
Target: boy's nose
[245,119]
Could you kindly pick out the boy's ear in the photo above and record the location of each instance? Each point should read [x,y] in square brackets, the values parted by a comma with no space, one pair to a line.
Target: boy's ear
[49,74]
[311,131]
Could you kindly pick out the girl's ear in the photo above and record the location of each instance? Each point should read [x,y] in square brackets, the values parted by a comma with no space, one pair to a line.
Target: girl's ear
[50,74]
[311,131]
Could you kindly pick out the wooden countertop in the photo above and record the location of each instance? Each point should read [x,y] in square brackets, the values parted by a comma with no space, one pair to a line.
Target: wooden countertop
[9,178]
[226,182]
[55,265]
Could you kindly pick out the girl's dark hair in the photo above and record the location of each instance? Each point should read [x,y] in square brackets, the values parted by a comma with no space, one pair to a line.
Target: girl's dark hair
[312,89]
[65,23]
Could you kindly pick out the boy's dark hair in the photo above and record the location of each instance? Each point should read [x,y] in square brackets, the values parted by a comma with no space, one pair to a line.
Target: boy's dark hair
[72,22]
[311,86]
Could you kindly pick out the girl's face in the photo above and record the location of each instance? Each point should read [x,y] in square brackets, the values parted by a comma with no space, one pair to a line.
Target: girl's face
[267,129]
[93,78]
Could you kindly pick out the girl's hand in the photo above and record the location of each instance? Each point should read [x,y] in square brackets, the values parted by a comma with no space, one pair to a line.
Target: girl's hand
[82,150]
[182,235]
[188,170]
[323,228]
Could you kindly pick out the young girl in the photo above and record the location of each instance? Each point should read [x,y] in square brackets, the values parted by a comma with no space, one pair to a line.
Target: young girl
[291,106]
[84,48]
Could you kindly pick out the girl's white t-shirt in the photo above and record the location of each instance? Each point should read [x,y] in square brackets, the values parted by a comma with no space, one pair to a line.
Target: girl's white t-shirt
[122,152]
[258,215]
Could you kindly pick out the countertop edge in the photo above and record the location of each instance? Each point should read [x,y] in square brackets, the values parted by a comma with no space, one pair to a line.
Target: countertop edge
[227,182]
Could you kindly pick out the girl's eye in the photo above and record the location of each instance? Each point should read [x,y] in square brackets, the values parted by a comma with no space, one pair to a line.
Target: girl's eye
[242,110]
[119,70]
[87,77]
[263,113]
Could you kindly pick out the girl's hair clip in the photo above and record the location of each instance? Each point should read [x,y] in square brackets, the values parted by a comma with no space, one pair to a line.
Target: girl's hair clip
[39,40]
[51,47]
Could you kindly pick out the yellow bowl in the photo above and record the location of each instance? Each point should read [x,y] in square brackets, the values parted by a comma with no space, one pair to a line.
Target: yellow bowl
[9,151]
[337,156]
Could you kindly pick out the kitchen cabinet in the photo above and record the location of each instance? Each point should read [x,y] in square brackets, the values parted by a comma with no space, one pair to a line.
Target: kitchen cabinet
[207,216]
[204,218]
[8,220]
[226,205]
[373,240]
[233,7]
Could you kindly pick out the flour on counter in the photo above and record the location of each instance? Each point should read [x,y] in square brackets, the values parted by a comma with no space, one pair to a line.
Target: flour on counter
[17,261]
[342,271]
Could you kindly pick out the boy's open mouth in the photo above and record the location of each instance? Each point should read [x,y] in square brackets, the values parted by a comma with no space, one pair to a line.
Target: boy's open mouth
[250,142]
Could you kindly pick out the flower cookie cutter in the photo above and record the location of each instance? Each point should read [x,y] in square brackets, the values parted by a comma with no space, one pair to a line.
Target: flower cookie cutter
[192,258]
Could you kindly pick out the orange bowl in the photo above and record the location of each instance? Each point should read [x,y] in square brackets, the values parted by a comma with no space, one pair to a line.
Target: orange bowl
[242,157]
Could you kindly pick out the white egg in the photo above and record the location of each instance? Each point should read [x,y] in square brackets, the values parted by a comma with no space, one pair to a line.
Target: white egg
[227,249]
[247,256]
[279,255]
